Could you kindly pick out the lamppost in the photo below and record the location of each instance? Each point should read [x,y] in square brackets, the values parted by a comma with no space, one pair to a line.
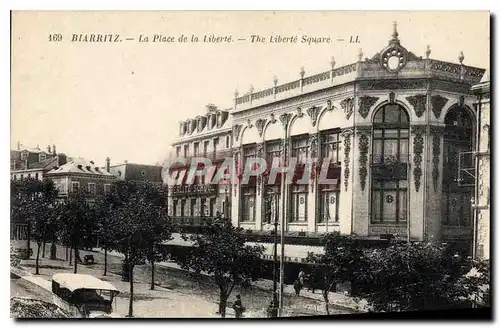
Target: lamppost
[273,307]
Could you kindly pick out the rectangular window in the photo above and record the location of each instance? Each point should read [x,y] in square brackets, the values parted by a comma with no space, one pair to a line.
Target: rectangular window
[42,157]
[213,209]
[75,185]
[271,204]
[175,207]
[91,188]
[248,204]
[184,207]
[205,148]
[107,188]
[216,145]
[24,156]
[330,146]
[390,145]
[178,151]
[228,142]
[193,209]
[273,150]
[249,152]
[298,203]
[196,149]
[329,203]
[300,149]
[389,201]
[186,151]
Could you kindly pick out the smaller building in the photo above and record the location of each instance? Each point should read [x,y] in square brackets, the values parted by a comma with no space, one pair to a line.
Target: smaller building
[80,174]
[136,172]
[26,163]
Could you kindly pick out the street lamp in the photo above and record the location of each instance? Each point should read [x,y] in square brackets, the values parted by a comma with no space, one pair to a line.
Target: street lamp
[273,307]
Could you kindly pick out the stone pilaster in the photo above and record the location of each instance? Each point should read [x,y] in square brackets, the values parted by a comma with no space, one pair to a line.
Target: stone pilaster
[361,180]
[416,185]
[346,197]
[434,172]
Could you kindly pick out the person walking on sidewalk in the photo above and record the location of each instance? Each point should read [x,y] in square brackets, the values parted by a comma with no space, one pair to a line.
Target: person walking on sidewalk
[238,307]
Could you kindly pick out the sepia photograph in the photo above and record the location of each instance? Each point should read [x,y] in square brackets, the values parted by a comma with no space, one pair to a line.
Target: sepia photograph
[250,164]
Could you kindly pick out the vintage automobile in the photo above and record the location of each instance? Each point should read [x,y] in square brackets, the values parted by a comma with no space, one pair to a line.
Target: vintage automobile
[83,296]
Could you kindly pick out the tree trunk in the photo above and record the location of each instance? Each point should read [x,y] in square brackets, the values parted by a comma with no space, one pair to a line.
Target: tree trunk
[43,249]
[222,304]
[53,251]
[66,253]
[325,297]
[29,241]
[105,261]
[37,259]
[152,274]
[70,256]
[131,300]
[76,261]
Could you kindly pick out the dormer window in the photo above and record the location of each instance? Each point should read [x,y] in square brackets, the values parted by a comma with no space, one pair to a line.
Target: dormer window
[42,157]
[24,155]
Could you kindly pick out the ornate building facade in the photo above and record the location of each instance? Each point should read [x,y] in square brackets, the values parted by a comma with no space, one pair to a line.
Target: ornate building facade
[397,130]
[207,136]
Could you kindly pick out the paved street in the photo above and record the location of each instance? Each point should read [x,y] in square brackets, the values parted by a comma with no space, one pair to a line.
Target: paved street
[178,293]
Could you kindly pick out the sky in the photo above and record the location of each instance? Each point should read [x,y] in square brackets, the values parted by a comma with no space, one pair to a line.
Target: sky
[125,99]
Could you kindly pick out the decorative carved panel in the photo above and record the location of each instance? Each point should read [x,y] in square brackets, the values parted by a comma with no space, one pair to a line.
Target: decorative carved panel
[259,124]
[437,133]
[438,102]
[365,103]
[285,119]
[346,134]
[364,142]
[236,155]
[313,145]
[418,148]
[348,106]
[260,154]
[392,97]
[419,103]
[313,113]
[236,131]
[392,85]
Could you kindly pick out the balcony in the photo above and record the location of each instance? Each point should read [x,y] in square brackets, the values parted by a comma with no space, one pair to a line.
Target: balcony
[390,168]
[218,156]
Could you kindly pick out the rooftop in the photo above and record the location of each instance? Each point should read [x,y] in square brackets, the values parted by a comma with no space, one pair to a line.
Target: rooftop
[73,281]
[80,165]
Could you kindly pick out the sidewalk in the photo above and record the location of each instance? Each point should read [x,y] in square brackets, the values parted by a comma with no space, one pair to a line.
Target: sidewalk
[161,302]
[335,299]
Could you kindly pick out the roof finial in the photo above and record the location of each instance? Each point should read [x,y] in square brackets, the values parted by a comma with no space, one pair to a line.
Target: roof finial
[395,30]
[332,62]
[461,57]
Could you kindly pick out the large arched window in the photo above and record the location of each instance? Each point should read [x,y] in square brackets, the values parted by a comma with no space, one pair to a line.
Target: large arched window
[389,165]
[458,166]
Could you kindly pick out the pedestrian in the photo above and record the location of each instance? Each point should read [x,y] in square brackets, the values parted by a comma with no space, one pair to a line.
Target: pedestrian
[297,286]
[301,276]
[238,307]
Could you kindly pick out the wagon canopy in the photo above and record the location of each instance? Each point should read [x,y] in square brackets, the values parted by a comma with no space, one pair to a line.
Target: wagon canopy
[73,281]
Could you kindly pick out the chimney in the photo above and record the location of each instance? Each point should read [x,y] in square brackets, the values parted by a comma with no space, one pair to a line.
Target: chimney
[18,145]
[54,149]
[61,159]
[48,149]
[107,164]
